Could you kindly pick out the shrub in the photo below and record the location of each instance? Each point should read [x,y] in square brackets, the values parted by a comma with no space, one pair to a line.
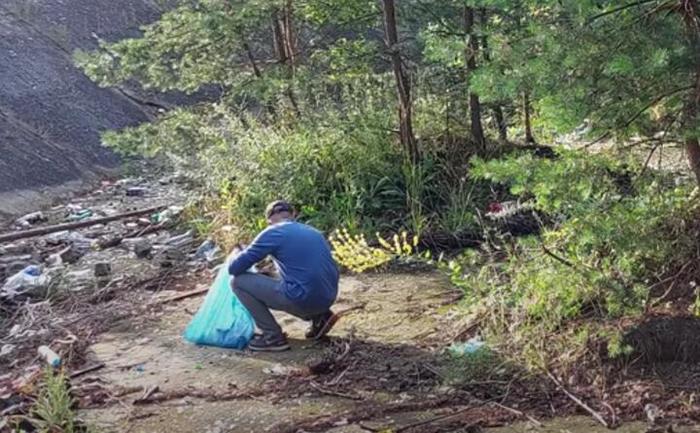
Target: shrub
[617,231]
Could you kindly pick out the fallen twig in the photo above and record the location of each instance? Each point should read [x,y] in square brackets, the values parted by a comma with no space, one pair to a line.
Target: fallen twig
[114,241]
[205,394]
[363,412]
[147,394]
[87,370]
[671,286]
[15,409]
[578,401]
[519,413]
[189,294]
[437,419]
[121,392]
[8,237]
[344,353]
[337,379]
[351,309]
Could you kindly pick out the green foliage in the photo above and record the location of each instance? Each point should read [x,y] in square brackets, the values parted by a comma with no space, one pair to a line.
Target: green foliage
[482,365]
[306,109]
[614,234]
[53,409]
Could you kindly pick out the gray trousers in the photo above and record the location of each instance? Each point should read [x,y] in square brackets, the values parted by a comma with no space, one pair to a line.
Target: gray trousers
[260,293]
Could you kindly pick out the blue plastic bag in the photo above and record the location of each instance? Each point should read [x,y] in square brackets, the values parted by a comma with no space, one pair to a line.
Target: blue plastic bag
[221,319]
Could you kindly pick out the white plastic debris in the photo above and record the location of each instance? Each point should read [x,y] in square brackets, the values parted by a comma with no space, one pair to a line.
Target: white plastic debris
[49,356]
[29,280]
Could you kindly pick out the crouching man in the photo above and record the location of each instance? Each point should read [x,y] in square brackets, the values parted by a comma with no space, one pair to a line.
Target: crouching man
[308,283]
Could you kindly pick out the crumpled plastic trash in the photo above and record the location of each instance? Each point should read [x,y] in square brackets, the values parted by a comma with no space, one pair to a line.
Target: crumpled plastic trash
[27,281]
[468,347]
[207,251]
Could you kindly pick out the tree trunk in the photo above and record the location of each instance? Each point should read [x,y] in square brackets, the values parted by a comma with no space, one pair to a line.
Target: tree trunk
[470,51]
[408,140]
[500,123]
[691,110]
[258,74]
[285,47]
[529,138]
[278,39]
[497,109]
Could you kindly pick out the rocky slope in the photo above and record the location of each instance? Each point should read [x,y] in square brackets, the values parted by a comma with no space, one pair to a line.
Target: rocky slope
[51,115]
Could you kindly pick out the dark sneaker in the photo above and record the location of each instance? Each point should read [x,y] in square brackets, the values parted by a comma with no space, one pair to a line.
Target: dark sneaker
[321,325]
[268,343]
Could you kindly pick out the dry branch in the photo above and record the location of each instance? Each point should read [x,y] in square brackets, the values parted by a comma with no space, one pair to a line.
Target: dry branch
[578,401]
[8,237]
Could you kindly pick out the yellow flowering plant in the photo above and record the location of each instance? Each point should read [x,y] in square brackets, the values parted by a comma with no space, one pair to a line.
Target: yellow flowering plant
[354,252]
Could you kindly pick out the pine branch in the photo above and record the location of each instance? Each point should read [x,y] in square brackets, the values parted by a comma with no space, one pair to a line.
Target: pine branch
[619,9]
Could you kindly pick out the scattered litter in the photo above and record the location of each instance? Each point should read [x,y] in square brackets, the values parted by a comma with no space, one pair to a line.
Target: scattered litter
[6,349]
[183,240]
[136,191]
[29,281]
[80,215]
[30,219]
[166,215]
[49,356]
[73,208]
[10,265]
[281,370]
[207,251]
[468,347]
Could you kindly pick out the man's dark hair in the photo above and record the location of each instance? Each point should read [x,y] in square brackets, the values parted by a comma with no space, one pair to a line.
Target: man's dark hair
[278,206]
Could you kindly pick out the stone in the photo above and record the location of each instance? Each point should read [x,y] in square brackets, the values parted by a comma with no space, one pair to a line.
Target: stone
[136,191]
[143,248]
[102,269]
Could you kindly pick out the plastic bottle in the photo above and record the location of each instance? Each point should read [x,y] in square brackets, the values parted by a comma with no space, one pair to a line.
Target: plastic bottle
[469,347]
[49,356]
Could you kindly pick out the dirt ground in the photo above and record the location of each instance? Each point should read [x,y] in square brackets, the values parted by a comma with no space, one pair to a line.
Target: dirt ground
[399,310]
[382,369]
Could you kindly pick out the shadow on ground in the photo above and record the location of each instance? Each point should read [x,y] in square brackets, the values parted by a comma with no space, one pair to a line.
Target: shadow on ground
[379,353]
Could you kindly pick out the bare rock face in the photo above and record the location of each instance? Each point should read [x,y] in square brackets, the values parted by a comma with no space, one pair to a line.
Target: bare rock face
[51,114]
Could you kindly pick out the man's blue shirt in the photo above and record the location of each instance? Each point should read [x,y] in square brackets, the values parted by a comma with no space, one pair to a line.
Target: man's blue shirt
[303,258]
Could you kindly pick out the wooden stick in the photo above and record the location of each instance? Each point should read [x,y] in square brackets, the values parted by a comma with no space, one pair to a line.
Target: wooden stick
[351,309]
[578,401]
[8,237]
[87,370]
[113,242]
[147,394]
[436,419]
[189,294]
[519,413]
